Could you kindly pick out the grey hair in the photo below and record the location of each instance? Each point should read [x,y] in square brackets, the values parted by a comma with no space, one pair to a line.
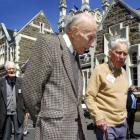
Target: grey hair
[9,63]
[76,20]
[114,42]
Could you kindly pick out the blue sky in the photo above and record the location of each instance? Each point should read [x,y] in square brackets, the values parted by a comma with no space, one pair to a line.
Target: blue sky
[16,13]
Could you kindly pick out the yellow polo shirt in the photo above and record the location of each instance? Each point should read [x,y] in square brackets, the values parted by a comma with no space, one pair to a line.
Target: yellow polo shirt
[106,95]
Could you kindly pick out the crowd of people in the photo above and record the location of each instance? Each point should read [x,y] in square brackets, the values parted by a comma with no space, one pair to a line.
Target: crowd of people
[51,89]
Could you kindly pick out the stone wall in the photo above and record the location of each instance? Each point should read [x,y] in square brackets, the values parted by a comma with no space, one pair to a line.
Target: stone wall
[32,31]
[26,43]
[43,19]
[119,14]
[25,49]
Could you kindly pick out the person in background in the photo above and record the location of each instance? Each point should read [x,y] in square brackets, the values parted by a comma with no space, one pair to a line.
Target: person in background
[26,119]
[106,93]
[12,107]
[52,83]
[131,110]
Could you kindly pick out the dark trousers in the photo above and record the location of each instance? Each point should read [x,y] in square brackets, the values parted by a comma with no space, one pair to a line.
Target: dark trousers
[18,129]
[131,119]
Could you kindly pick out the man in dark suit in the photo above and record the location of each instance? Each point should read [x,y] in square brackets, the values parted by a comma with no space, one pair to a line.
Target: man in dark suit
[131,110]
[11,104]
[52,83]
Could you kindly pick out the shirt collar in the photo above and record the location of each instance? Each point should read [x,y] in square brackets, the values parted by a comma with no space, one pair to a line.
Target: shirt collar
[68,43]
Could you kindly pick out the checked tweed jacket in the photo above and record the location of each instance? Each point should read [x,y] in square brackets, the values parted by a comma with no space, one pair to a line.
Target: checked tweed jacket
[49,90]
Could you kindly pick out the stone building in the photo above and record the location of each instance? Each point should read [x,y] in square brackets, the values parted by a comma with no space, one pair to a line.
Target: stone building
[116,19]
[121,20]
[17,45]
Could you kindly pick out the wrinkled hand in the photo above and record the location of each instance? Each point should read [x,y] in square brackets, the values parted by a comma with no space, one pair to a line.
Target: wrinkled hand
[102,124]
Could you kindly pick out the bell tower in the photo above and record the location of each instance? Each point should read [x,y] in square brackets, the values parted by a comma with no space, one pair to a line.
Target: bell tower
[105,5]
[63,10]
[85,5]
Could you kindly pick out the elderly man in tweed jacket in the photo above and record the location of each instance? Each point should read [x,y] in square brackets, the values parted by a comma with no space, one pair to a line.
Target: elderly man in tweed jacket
[52,84]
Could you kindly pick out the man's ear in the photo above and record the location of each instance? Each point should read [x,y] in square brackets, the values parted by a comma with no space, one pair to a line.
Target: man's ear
[74,30]
[109,52]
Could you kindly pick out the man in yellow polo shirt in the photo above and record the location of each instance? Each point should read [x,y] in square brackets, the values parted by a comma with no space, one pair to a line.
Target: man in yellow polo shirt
[106,93]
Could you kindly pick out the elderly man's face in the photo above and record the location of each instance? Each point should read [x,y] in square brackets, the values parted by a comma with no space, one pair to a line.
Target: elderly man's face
[84,37]
[118,55]
[11,71]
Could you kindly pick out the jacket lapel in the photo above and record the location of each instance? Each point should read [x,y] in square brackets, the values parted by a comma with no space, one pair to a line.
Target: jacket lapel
[16,87]
[67,63]
[80,86]
[4,92]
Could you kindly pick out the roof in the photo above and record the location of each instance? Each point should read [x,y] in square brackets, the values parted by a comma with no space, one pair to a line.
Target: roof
[41,12]
[134,12]
[7,32]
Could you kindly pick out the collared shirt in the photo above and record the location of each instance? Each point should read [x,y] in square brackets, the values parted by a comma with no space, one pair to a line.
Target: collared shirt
[73,59]
[134,100]
[68,43]
[11,96]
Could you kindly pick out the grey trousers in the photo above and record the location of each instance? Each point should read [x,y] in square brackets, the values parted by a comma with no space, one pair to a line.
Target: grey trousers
[118,132]
[18,129]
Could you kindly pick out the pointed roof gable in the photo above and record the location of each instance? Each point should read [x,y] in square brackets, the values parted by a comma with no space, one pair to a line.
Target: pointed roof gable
[134,12]
[39,13]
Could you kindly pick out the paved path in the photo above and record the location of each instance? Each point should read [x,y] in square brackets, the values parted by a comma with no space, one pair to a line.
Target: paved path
[90,133]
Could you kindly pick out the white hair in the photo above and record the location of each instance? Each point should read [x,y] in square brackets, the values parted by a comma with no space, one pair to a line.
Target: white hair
[8,63]
[114,42]
[77,19]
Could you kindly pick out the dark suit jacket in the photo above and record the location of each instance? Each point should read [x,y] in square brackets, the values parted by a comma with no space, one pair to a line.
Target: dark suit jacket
[3,101]
[129,101]
[50,93]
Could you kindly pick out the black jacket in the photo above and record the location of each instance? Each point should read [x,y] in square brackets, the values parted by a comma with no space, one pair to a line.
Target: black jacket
[129,101]
[3,101]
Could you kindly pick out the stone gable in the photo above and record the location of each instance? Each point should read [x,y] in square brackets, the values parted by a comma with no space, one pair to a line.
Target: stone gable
[116,15]
[34,27]
[25,49]
[43,19]
[30,31]
[28,36]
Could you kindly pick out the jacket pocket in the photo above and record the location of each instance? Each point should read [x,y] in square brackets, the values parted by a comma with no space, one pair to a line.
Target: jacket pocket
[51,114]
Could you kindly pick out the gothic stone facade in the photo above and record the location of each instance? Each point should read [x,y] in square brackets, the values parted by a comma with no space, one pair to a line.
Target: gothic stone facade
[25,39]
[121,21]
